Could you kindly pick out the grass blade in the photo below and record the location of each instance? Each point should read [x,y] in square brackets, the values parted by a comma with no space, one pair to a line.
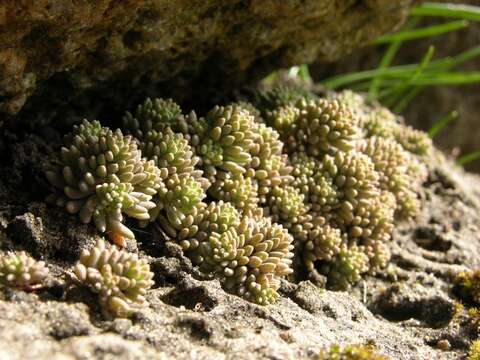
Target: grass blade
[400,71]
[448,78]
[459,11]
[441,123]
[387,59]
[465,159]
[384,63]
[428,31]
[402,99]
[304,73]
[407,99]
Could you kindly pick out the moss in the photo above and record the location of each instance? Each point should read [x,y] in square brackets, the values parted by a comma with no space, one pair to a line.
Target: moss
[19,270]
[120,278]
[350,352]
[474,351]
[467,285]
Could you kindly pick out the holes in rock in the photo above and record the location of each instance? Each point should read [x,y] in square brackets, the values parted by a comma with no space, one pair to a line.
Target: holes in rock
[428,239]
[196,299]
[199,329]
[400,303]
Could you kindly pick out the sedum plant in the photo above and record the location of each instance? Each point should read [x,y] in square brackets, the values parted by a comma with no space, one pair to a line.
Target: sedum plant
[250,259]
[18,270]
[322,127]
[245,188]
[100,175]
[120,278]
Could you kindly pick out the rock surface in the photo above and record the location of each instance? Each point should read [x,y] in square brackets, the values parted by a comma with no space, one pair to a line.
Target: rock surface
[406,312]
[67,53]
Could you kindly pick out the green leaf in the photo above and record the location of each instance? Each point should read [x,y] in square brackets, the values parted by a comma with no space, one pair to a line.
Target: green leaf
[448,78]
[459,11]
[442,122]
[425,32]
[401,71]
[403,99]
[384,63]
[304,73]
[465,159]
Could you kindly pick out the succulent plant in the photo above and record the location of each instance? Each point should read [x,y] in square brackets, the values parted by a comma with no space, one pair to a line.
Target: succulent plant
[269,164]
[183,196]
[355,181]
[153,114]
[170,151]
[249,259]
[392,162]
[323,127]
[100,175]
[414,141]
[228,140]
[350,352]
[120,278]
[347,267]
[237,189]
[286,205]
[279,96]
[323,242]
[282,119]
[19,270]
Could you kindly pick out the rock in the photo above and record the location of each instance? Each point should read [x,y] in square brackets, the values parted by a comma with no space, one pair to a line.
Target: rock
[190,316]
[67,53]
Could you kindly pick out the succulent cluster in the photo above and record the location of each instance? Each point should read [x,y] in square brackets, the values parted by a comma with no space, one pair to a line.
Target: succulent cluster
[120,278]
[239,187]
[101,175]
[350,352]
[216,171]
[19,270]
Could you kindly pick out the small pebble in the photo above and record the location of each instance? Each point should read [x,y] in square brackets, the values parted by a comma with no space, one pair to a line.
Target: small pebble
[443,344]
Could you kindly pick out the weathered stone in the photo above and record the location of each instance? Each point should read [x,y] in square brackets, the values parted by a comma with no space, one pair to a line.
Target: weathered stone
[116,51]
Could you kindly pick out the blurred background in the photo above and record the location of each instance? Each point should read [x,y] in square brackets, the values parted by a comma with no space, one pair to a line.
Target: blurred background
[448,105]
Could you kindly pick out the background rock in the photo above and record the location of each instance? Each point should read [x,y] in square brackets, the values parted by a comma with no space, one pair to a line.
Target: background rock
[66,54]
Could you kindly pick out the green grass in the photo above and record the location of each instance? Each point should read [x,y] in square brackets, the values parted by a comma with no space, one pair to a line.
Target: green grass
[442,123]
[466,159]
[396,86]
[454,11]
